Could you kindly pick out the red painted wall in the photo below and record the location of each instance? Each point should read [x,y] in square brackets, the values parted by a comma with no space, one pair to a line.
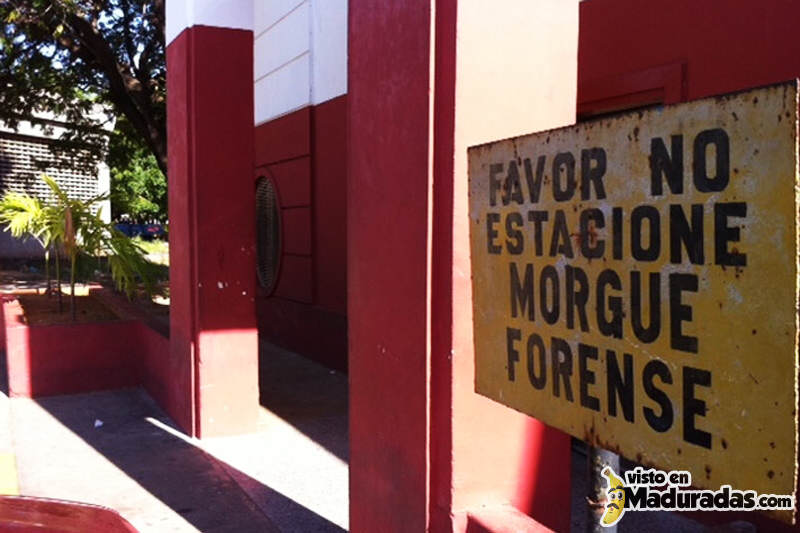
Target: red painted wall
[427,453]
[213,336]
[388,262]
[156,368]
[68,359]
[677,50]
[727,45]
[179,111]
[304,153]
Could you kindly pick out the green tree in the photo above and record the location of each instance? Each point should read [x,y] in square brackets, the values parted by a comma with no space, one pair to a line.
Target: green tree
[68,57]
[138,187]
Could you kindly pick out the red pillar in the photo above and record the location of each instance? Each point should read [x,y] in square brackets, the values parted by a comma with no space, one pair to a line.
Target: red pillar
[427,79]
[213,355]
[388,257]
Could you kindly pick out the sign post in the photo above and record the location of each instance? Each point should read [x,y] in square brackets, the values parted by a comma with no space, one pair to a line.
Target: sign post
[635,284]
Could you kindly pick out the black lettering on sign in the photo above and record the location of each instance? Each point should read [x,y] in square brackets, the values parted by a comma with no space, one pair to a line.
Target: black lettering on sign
[560,242]
[613,327]
[638,216]
[494,182]
[593,174]
[719,140]
[521,293]
[681,232]
[679,312]
[586,376]
[564,168]
[538,380]
[514,242]
[491,233]
[663,421]
[650,333]
[591,220]
[537,217]
[513,188]
[512,335]
[671,167]
[693,407]
[534,182]
[616,224]
[577,299]
[620,385]
[562,367]
[723,234]
[550,311]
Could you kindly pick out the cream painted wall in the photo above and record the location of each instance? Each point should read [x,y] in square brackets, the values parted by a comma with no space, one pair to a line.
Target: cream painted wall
[516,73]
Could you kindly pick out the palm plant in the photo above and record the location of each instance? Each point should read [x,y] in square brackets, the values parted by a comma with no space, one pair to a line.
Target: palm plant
[24,216]
[75,226]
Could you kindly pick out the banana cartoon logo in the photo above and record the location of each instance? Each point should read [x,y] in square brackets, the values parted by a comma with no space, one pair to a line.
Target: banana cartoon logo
[615,507]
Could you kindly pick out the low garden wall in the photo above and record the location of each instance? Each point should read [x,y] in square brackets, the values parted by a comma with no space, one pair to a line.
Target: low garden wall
[47,360]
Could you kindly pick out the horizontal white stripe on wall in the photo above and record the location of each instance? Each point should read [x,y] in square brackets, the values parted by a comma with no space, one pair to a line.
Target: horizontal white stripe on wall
[283,90]
[282,42]
[269,12]
[289,34]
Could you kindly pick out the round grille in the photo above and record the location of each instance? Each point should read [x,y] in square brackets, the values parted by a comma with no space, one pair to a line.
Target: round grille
[268,233]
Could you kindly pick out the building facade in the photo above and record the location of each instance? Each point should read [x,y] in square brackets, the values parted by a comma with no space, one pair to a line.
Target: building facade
[26,154]
[342,127]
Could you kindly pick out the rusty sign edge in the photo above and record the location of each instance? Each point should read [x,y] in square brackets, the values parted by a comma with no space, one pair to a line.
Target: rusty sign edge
[643,113]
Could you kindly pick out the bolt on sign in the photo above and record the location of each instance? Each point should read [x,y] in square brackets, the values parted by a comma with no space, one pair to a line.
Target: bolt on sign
[635,283]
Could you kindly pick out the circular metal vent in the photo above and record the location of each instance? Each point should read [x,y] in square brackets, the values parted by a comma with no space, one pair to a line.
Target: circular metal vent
[268,230]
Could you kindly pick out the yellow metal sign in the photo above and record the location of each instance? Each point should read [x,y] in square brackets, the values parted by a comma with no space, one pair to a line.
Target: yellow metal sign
[635,284]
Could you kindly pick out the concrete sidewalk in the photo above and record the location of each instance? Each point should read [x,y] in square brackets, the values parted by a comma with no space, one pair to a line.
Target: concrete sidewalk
[119,450]
[131,463]
[295,467]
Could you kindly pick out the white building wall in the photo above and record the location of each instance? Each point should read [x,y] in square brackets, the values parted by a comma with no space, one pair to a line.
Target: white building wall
[22,149]
[300,48]
[56,127]
[182,14]
[282,57]
[300,55]
[329,42]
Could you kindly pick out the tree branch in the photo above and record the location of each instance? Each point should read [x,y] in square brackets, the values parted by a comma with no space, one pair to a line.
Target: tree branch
[125,90]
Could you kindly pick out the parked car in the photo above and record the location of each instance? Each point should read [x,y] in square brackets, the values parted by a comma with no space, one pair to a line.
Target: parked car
[146,231]
[153,231]
[43,515]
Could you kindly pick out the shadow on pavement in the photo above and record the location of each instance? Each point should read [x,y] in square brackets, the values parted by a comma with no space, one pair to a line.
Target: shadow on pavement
[139,439]
[309,396]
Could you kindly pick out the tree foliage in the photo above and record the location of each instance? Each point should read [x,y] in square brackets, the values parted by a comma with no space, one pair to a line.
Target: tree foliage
[70,58]
[138,187]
